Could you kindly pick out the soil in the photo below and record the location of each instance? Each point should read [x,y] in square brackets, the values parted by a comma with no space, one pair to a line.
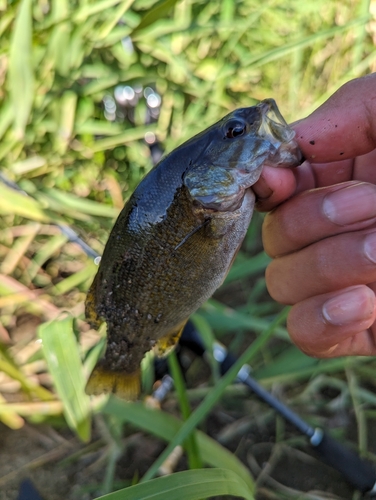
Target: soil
[60,467]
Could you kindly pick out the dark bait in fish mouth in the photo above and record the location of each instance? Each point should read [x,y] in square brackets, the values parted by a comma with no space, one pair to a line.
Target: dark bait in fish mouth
[176,238]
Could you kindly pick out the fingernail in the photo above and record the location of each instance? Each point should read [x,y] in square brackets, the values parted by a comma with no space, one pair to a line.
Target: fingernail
[370,247]
[351,204]
[353,305]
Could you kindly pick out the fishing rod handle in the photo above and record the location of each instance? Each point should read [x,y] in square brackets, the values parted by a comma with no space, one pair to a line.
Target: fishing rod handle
[358,472]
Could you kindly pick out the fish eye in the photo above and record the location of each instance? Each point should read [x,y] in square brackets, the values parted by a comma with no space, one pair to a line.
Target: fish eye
[235,129]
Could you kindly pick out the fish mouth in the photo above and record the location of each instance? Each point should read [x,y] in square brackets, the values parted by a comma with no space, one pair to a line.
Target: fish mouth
[274,128]
[220,184]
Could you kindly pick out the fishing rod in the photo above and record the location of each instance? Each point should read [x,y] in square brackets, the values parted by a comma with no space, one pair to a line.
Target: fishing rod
[71,235]
[359,473]
[356,471]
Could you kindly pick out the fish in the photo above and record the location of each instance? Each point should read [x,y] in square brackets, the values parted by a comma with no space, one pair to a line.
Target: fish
[177,237]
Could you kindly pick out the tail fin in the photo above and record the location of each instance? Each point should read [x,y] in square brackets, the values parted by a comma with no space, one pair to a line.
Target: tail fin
[124,385]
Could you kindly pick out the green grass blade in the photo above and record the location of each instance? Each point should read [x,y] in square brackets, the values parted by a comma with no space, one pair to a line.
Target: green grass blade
[60,349]
[208,338]
[159,11]
[98,127]
[224,319]
[12,202]
[68,104]
[250,267]
[121,139]
[204,408]
[28,165]
[100,85]
[361,33]
[118,13]
[354,390]
[354,71]
[18,250]
[54,244]
[63,201]
[10,418]
[291,361]
[10,367]
[21,73]
[6,117]
[194,458]
[58,41]
[297,60]
[283,50]
[93,8]
[6,18]
[292,365]
[165,426]
[187,485]
[88,271]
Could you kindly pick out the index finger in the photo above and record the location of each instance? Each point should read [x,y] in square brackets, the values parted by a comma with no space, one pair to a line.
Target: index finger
[344,126]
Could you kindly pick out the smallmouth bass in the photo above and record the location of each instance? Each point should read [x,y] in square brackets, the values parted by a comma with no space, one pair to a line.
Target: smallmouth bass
[176,238]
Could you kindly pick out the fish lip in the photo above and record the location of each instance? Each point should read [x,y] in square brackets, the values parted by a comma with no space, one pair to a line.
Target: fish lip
[274,128]
[269,105]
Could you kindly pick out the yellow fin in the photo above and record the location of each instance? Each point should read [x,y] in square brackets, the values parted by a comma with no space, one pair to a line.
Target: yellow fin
[90,308]
[168,342]
[124,385]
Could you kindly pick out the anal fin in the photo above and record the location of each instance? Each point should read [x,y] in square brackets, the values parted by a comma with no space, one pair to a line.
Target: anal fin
[124,385]
[91,314]
[168,342]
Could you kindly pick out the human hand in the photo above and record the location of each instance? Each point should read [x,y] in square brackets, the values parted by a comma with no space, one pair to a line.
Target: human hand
[323,238]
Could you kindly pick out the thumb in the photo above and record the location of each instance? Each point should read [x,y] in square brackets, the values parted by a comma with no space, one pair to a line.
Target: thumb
[274,186]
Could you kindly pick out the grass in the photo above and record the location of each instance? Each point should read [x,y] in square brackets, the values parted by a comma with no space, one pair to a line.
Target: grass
[76,161]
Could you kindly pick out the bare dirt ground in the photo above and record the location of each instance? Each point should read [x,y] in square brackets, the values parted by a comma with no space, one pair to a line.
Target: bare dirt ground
[63,468]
